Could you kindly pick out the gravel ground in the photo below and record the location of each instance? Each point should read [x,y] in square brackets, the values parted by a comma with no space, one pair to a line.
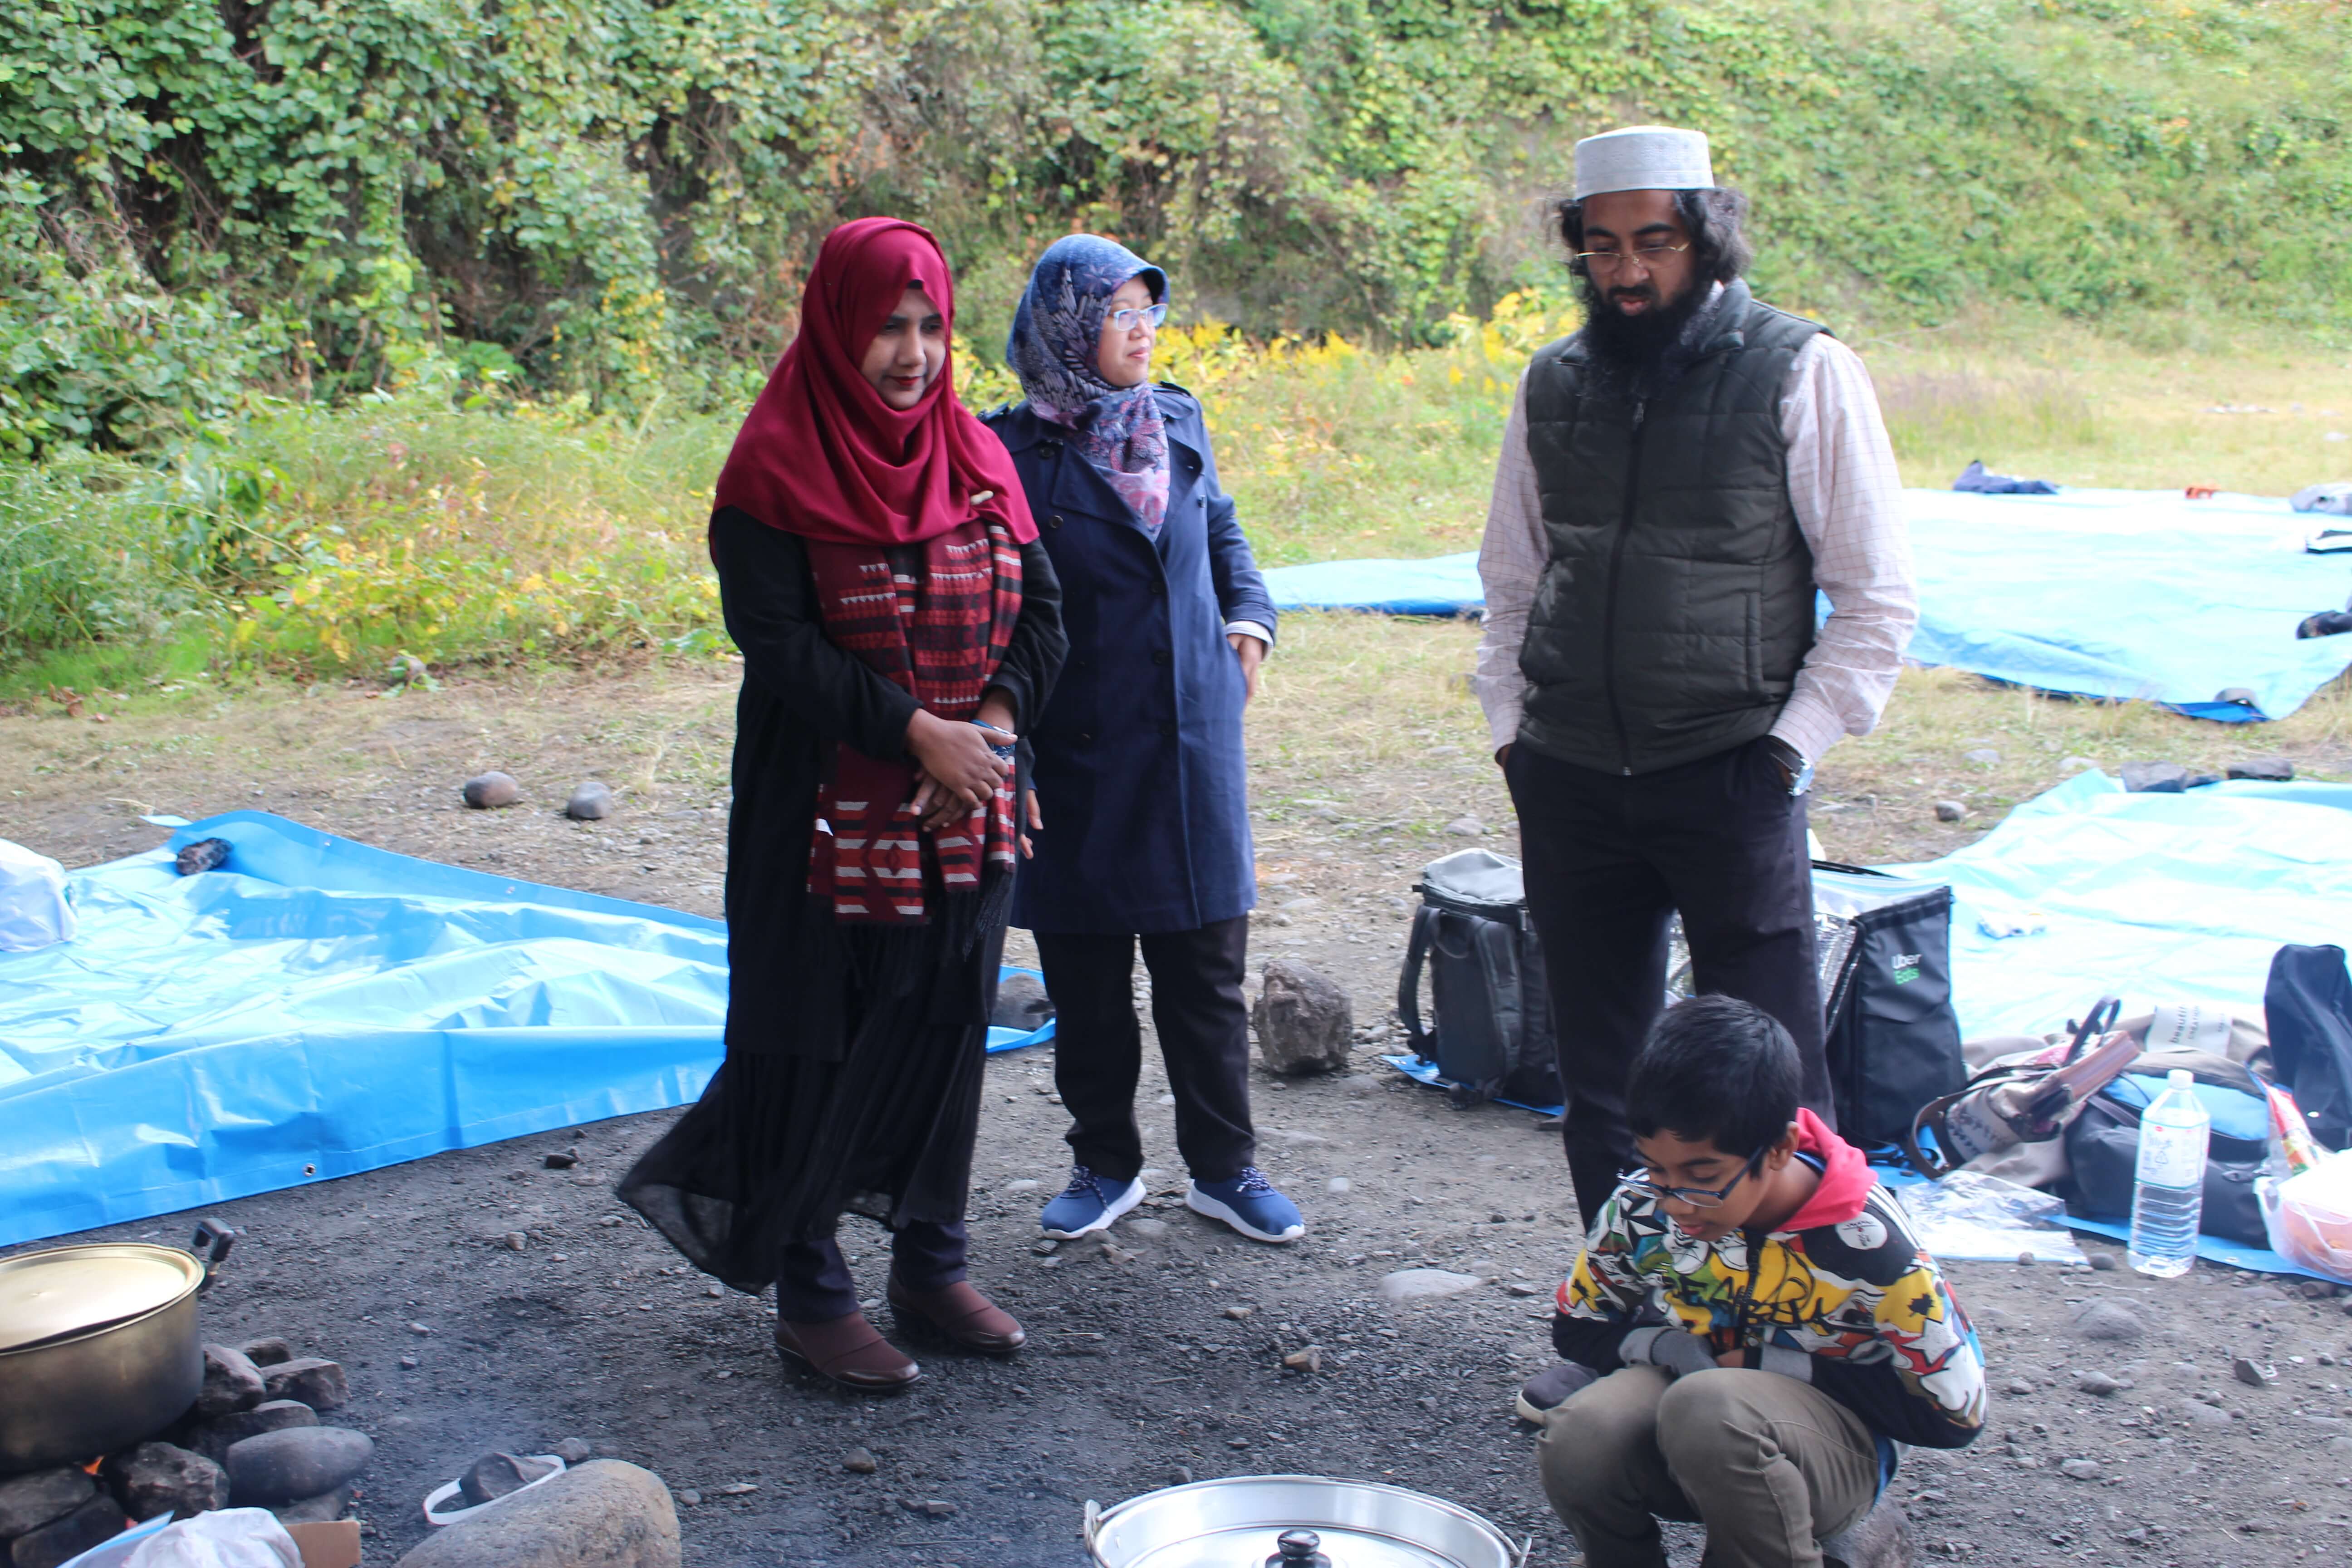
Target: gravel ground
[1156,1356]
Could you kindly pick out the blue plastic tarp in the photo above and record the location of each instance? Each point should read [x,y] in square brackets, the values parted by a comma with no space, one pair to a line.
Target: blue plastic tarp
[2118,593]
[318,1007]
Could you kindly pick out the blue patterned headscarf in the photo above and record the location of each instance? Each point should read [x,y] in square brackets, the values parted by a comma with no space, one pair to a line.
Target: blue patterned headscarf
[1055,334]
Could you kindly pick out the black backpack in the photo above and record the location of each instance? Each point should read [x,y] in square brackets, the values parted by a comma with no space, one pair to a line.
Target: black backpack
[1493,1031]
[2103,1150]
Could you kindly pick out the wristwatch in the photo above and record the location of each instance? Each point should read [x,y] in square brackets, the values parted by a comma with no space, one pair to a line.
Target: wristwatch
[1795,770]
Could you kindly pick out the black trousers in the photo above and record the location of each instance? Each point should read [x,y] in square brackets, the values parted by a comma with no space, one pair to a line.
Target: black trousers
[1196,1004]
[1609,858]
[812,1281]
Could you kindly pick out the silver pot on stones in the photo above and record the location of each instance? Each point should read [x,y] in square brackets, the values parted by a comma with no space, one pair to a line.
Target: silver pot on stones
[1295,1521]
[98,1345]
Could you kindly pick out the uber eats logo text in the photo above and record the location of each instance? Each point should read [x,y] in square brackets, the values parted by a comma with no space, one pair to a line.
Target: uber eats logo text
[1907,968]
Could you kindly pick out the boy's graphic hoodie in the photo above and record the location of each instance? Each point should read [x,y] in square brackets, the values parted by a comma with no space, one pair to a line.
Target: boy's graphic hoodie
[1841,1297]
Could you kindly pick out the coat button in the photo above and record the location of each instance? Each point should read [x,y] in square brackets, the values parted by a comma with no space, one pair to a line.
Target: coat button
[1160,658]
[1054,522]
[1085,737]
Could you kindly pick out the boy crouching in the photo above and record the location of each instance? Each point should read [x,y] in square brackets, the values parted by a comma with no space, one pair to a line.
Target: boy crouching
[1804,1335]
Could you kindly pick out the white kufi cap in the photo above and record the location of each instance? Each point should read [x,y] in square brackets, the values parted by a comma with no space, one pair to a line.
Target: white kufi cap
[1643,158]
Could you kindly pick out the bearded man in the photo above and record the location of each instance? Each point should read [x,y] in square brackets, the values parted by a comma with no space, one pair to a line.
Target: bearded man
[1677,481]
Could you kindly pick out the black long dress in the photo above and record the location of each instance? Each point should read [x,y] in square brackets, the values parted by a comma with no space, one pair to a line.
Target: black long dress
[836,1094]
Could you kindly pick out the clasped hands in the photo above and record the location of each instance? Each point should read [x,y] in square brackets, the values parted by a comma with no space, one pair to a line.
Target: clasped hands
[956,772]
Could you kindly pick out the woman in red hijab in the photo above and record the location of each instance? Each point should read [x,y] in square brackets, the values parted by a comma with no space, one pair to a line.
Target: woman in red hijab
[899,624]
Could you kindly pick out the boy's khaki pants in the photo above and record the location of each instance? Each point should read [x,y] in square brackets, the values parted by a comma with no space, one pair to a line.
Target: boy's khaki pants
[1769,1465]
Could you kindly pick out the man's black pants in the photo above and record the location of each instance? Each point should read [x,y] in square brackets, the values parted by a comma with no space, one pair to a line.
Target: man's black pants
[1196,1004]
[1609,858]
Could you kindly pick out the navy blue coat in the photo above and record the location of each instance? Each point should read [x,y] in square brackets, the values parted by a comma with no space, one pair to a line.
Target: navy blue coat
[1140,772]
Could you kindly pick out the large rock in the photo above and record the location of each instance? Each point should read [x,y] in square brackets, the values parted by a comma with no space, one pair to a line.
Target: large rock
[2270,770]
[160,1477]
[231,1383]
[601,1514]
[296,1462]
[1304,1022]
[492,789]
[62,1540]
[215,1438]
[320,1385]
[591,801]
[28,1502]
[1881,1539]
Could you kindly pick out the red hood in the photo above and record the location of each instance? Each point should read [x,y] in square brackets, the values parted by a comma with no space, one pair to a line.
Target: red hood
[1846,1177]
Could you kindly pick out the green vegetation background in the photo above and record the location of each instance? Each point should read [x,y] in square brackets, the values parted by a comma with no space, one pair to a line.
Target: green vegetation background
[328,327]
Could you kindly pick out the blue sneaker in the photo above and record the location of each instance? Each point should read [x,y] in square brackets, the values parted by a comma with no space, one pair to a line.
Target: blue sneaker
[1087,1205]
[1250,1204]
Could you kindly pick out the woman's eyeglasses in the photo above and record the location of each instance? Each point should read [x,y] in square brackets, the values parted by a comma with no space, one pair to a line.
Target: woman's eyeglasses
[1126,319]
[1697,1197]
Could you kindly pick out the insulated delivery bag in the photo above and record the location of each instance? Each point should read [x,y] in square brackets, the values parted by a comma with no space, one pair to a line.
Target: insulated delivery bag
[1491,1034]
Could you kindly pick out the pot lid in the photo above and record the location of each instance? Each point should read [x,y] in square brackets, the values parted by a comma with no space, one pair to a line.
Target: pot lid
[1242,1521]
[67,1290]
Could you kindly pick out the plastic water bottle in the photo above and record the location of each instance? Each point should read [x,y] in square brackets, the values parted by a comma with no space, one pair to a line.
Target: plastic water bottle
[2170,1193]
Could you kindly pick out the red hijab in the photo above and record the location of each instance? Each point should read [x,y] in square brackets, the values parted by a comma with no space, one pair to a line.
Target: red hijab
[822,456]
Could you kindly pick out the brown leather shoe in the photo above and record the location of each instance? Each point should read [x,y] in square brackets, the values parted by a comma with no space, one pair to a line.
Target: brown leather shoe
[959,1314]
[851,1352]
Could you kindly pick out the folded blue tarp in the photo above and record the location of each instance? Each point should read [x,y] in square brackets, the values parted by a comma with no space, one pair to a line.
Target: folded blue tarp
[318,1007]
[2117,594]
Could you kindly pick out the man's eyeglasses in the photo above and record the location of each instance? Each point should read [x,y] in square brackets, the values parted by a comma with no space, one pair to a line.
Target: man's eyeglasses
[1126,319]
[1649,255]
[1697,1197]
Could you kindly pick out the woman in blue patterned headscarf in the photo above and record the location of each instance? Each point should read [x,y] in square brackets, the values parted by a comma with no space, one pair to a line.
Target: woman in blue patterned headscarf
[1141,813]
[1056,350]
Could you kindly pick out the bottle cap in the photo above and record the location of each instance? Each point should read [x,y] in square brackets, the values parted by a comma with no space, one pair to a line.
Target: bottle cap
[2180,1078]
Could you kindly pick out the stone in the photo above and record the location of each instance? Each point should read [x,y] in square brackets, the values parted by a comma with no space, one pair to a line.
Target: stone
[163,1478]
[858,1462]
[2075,764]
[930,1507]
[2154,778]
[1309,1360]
[562,1161]
[2269,769]
[591,801]
[296,1462]
[406,670]
[2251,1372]
[495,1475]
[231,1383]
[1304,1023]
[1466,827]
[2108,1322]
[515,1241]
[2019,1385]
[1882,1539]
[1020,1004]
[687,1496]
[1238,1313]
[1424,1284]
[268,1350]
[492,789]
[601,1514]
[1984,757]
[2200,1414]
[1179,1475]
[1950,811]
[28,1502]
[2098,1383]
[215,1437]
[2082,1470]
[2200,781]
[2104,1262]
[324,1509]
[1147,1228]
[62,1540]
[575,1451]
[317,1382]
[1336,1186]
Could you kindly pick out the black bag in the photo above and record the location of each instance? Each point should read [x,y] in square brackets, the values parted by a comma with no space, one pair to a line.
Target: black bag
[2102,1150]
[1492,1034]
[2307,1005]
[1885,957]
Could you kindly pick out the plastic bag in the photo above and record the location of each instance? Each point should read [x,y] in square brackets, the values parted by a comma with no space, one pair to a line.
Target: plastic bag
[2309,1216]
[33,911]
[226,1538]
[1970,1214]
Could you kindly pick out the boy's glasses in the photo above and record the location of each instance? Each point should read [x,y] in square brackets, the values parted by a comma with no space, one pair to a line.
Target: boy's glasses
[1127,318]
[1697,1197]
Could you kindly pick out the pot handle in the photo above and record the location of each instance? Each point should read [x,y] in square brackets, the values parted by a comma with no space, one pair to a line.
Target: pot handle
[1093,1525]
[213,1242]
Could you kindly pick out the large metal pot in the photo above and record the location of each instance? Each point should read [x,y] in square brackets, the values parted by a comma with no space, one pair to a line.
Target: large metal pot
[99,1346]
[1265,1522]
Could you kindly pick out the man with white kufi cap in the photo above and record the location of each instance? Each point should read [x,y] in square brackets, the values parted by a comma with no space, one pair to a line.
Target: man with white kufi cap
[1677,481]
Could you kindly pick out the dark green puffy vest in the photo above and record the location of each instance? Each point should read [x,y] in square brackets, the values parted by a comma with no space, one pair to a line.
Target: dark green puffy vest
[1678,601]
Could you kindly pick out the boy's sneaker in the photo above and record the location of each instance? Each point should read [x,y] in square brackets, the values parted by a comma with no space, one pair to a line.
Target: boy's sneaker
[1250,1204]
[1089,1204]
[1550,1389]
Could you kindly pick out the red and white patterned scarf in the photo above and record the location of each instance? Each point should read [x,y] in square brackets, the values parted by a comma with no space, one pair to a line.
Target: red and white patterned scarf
[934,617]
